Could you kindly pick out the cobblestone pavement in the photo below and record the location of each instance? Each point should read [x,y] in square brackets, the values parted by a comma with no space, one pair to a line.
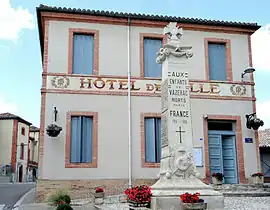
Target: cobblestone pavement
[247,203]
[231,203]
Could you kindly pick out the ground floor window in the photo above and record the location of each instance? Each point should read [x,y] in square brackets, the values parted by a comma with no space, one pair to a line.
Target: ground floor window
[81,139]
[152,139]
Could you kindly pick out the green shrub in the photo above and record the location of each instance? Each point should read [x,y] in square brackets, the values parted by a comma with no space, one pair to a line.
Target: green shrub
[60,197]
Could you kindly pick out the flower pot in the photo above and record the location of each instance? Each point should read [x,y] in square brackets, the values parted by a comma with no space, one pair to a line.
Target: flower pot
[216,181]
[99,195]
[201,206]
[135,205]
[257,180]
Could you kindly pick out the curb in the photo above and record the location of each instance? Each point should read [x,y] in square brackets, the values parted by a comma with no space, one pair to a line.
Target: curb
[20,201]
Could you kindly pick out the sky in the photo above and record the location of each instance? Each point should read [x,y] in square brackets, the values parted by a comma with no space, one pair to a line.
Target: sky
[20,59]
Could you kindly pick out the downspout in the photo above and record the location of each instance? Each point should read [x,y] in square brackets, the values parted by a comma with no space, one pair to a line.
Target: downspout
[129,107]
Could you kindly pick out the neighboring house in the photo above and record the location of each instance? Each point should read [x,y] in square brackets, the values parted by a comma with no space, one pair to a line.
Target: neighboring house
[111,138]
[33,151]
[264,137]
[14,137]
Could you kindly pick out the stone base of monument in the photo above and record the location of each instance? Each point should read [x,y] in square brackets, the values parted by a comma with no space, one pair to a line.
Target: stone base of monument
[166,194]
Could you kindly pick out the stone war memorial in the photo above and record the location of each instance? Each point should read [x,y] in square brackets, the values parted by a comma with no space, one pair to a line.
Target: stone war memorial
[177,168]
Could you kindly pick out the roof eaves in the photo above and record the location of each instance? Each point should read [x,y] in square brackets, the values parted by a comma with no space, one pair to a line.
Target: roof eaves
[44,8]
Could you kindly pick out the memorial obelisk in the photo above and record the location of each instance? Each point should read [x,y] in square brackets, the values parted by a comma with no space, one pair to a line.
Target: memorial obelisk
[177,169]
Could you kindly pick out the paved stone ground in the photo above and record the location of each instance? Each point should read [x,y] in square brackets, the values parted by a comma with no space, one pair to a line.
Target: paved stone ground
[11,193]
[247,203]
[231,203]
[45,207]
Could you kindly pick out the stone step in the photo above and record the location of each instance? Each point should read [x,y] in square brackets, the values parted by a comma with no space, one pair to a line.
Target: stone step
[246,194]
[241,188]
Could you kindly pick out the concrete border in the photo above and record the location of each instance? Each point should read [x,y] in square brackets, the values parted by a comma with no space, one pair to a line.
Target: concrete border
[20,201]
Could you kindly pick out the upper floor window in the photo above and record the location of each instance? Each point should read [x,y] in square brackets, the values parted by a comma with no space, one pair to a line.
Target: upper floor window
[23,131]
[218,59]
[83,54]
[152,139]
[22,151]
[151,47]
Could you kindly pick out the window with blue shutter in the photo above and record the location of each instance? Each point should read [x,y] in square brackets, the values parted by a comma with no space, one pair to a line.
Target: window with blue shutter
[81,139]
[151,48]
[83,54]
[217,61]
[152,140]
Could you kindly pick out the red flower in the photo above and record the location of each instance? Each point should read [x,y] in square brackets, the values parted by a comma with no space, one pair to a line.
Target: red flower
[259,174]
[218,176]
[190,198]
[99,189]
[61,202]
[139,194]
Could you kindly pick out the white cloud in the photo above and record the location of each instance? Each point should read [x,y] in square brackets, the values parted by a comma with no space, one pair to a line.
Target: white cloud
[6,106]
[263,113]
[14,20]
[260,42]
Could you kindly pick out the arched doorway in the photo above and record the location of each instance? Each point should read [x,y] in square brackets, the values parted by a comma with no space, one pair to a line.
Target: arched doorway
[20,173]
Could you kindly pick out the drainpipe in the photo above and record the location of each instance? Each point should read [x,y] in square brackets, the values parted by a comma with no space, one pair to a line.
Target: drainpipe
[129,106]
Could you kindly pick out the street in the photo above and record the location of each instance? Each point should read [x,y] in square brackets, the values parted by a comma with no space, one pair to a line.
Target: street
[11,193]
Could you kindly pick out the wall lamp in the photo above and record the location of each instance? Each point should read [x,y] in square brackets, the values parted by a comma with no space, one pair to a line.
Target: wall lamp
[248,70]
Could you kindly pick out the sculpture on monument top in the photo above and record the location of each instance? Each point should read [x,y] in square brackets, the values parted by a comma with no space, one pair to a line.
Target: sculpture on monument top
[173,32]
[172,47]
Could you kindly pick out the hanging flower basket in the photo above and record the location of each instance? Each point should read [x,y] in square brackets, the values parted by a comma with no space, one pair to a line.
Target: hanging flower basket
[257,178]
[53,130]
[192,201]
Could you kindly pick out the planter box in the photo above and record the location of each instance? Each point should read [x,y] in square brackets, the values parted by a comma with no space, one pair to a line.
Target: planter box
[197,206]
[99,195]
[133,205]
[216,181]
[257,180]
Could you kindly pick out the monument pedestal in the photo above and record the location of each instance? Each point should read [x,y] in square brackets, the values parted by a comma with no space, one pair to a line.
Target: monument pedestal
[167,190]
[167,197]
[177,169]
[174,203]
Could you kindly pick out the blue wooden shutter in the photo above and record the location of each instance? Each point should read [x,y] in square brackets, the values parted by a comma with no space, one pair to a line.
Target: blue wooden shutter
[83,54]
[217,61]
[87,125]
[229,160]
[75,140]
[150,142]
[151,48]
[158,140]
[215,153]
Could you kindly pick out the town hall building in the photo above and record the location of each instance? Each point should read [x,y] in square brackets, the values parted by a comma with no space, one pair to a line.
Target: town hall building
[101,99]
